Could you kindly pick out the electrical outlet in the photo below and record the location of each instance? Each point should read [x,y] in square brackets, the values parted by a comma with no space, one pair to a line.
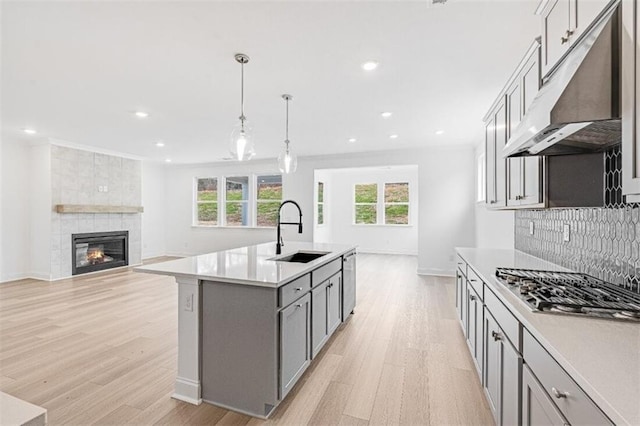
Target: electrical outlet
[566,233]
[531,228]
[188,303]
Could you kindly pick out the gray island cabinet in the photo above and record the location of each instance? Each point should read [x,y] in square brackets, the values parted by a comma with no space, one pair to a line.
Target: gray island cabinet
[259,322]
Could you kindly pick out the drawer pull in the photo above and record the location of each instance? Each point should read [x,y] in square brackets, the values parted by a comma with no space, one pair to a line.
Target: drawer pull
[472,297]
[559,394]
[299,305]
[298,288]
[496,336]
[473,281]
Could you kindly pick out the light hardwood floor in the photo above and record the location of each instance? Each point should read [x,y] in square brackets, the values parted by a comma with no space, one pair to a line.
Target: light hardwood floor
[102,349]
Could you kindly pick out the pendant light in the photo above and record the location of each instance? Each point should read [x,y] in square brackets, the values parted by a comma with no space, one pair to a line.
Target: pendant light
[287,160]
[241,146]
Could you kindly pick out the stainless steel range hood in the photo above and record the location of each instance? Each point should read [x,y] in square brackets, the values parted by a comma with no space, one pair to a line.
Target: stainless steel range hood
[577,110]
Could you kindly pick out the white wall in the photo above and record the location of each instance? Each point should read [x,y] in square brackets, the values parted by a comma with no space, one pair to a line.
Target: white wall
[14,226]
[339,227]
[40,236]
[154,203]
[494,229]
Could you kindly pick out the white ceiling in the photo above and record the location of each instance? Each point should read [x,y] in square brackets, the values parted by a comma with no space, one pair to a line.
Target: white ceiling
[76,71]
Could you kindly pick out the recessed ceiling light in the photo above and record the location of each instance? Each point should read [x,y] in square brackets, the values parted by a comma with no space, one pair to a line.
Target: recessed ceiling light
[29,131]
[386,114]
[141,114]
[439,132]
[394,136]
[352,140]
[168,160]
[159,144]
[370,65]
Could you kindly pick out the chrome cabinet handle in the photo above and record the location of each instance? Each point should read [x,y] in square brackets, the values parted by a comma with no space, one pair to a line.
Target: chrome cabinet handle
[298,288]
[564,40]
[472,297]
[559,394]
[299,305]
[496,336]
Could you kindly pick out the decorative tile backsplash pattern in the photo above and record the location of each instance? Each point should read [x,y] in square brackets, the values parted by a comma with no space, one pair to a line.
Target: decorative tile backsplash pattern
[604,242]
[76,176]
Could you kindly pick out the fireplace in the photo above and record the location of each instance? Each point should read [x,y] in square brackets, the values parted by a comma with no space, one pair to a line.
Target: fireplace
[99,250]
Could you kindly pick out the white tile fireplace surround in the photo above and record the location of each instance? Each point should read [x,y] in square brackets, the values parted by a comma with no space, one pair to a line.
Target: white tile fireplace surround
[88,178]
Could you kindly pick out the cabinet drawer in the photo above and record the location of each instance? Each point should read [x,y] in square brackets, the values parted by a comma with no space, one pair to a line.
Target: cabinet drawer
[475,282]
[462,265]
[293,290]
[574,404]
[508,323]
[325,272]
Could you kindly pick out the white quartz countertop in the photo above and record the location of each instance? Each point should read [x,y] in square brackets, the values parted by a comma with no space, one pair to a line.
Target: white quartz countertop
[602,356]
[252,265]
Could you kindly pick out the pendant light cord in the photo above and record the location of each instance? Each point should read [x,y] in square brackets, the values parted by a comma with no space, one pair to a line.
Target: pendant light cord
[242,117]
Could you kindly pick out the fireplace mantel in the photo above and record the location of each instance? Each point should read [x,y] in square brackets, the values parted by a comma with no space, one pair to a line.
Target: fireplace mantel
[93,208]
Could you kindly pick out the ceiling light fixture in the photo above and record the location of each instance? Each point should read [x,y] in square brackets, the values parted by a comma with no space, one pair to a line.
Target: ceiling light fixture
[386,114]
[439,132]
[29,131]
[352,140]
[370,65]
[167,160]
[241,146]
[141,114]
[159,144]
[394,136]
[287,160]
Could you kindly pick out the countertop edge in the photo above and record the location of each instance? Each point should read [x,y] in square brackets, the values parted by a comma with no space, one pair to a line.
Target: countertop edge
[613,414]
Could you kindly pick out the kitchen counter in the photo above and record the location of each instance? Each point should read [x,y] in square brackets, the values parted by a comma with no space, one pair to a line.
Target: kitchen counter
[602,356]
[252,265]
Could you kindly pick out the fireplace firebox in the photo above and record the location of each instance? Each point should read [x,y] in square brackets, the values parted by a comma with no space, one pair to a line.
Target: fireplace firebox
[96,251]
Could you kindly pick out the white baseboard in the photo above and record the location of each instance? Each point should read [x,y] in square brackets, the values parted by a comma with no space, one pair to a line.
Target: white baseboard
[18,277]
[399,252]
[436,272]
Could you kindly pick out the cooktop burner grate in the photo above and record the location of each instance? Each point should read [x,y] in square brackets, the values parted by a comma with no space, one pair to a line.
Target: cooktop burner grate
[571,292]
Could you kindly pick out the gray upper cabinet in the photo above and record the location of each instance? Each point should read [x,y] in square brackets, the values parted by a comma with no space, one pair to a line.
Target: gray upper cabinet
[524,183]
[496,165]
[295,342]
[537,408]
[563,22]
[630,101]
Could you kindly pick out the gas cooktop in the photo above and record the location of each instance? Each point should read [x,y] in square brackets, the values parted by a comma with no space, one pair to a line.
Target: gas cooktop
[571,293]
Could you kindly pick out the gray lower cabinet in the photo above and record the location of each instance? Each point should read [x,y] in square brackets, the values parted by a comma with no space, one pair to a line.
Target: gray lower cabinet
[474,327]
[537,408]
[460,292]
[295,342]
[502,365]
[325,311]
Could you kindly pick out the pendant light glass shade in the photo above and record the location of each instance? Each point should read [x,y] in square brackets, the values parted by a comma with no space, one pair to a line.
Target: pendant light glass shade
[287,160]
[242,146]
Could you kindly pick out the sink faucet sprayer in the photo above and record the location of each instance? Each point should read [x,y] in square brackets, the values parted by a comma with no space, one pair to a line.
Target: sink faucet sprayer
[280,243]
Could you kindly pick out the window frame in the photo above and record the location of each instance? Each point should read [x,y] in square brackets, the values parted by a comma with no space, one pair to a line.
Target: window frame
[196,203]
[251,202]
[257,201]
[396,203]
[380,205]
[321,203]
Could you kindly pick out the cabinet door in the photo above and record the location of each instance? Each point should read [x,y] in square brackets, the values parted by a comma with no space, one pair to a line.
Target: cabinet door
[531,192]
[492,365]
[501,163]
[510,384]
[319,332]
[514,165]
[537,408]
[460,293]
[555,33]
[583,14]
[630,100]
[490,161]
[295,339]
[474,336]
[348,285]
[334,291]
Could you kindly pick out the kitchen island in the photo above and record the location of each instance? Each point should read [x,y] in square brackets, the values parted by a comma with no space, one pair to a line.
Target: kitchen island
[250,321]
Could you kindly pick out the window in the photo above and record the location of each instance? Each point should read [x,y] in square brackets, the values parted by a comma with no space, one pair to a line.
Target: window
[268,200]
[237,201]
[482,173]
[366,204]
[396,203]
[207,202]
[320,212]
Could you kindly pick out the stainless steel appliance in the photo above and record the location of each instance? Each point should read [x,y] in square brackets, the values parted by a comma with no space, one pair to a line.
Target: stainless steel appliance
[571,293]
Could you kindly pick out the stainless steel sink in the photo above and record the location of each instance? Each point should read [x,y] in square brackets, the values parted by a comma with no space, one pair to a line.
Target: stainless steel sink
[301,256]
